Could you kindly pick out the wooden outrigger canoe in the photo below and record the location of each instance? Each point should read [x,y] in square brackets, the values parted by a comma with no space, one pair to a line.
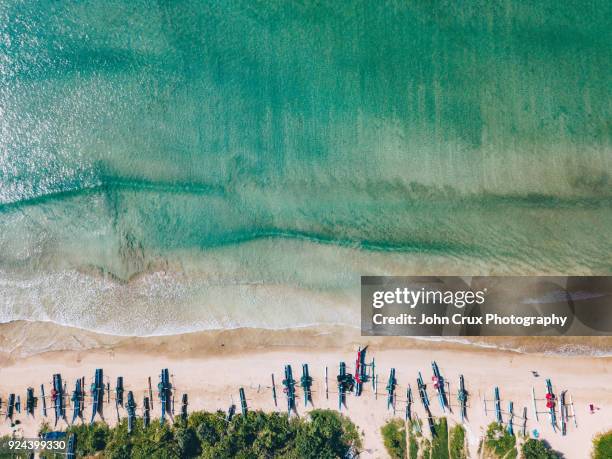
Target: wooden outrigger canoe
[30,401]
[131,411]
[10,407]
[425,401]
[71,447]
[97,395]
[77,401]
[57,396]
[289,389]
[146,412]
[409,401]
[306,381]
[243,402]
[165,394]
[346,383]
[119,390]
[391,383]
[438,382]
[462,396]
[184,403]
[498,412]
[364,371]
[550,404]
[44,400]
[511,418]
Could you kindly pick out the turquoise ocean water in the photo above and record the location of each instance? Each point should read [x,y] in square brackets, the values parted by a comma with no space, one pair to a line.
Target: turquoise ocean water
[173,166]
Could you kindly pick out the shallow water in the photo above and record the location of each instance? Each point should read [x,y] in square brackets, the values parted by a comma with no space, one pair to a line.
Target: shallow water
[241,163]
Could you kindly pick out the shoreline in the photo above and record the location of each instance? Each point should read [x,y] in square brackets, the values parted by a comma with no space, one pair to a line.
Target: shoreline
[21,339]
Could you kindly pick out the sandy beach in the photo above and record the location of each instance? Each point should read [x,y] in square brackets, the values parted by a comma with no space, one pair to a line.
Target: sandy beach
[211,366]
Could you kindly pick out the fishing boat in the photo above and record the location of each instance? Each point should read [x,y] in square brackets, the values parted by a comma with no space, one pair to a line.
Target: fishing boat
[184,403]
[409,401]
[57,397]
[131,411]
[30,401]
[439,385]
[364,372]
[462,396]
[97,395]
[146,412]
[550,404]
[391,383]
[243,402]
[346,383]
[44,400]
[71,447]
[425,401]
[119,390]
[289,389]
[77,398]
[306,381]
[498,411]
[164,389]
[510,427]
[10,408]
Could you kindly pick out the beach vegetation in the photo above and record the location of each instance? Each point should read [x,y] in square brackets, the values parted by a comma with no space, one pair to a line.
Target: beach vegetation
[537,449]
[602,446]
[439,443]
[456,443]
[321,434]
[413,448]
[394,438]
[499,443]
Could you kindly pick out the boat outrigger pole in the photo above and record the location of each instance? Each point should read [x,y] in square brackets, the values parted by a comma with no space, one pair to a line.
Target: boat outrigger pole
[77,401]
[425,401]
[306,381]
[439,383]
[57,396]
[462,396]
[131,411]
[97,395]
[550,404]
[165,394]
[289,389]
[391,389]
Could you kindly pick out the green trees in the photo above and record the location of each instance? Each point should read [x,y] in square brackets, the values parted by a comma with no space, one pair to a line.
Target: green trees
[499,442]
[394,438]
[537,449]
[323,434]
[456,443]
[602,446]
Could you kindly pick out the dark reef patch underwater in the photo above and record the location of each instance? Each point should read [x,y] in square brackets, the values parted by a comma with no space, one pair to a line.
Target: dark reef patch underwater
[242,163]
